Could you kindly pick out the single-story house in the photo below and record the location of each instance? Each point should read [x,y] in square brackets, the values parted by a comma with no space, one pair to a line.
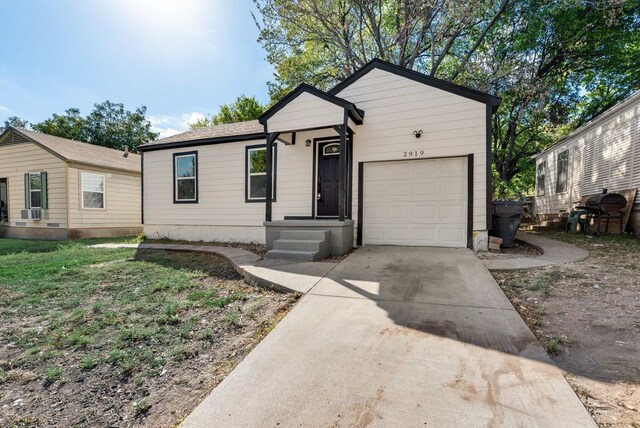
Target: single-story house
[602,154]
[55,188]
[388,156]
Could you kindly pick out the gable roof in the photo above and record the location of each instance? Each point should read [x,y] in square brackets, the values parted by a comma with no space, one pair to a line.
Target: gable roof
[444,85]
[354,112]
[76,151]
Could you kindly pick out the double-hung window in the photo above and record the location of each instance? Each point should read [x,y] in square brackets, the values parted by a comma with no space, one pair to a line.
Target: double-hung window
[185,177]
[92,191]
[562,164]
[35,190]
[256,177]
[540,178]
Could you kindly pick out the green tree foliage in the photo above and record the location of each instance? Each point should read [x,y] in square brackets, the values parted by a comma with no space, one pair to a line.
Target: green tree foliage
[14,121]
[556,63]
[108,124]
[242,109]
[71,125]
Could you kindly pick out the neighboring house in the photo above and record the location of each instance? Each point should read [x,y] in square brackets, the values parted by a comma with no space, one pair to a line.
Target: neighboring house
[54,188]
[602,154]
[388,156]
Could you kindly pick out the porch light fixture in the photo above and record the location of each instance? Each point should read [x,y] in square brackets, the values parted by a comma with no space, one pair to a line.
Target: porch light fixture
[418,133]
[307,143]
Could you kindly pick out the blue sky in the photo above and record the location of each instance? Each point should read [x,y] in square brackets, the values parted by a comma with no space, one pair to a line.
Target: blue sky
[180,58]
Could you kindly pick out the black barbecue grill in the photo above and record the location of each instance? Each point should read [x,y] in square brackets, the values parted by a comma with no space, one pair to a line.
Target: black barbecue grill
[604,207]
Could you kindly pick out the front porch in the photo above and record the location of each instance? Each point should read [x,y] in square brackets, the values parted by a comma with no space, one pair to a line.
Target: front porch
[328,229]
[308,239]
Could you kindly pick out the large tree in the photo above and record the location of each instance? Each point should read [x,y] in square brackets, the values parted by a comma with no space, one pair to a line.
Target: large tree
[242,109]
[14,121]
[554,63]
[108,124]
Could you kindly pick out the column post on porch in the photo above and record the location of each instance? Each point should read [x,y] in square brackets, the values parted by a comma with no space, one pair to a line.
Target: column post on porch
[342,180]
[271,137]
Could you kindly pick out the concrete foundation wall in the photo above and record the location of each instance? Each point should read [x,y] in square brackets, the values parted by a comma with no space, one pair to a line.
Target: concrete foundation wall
[480,240]
[41,233]
[247,234]
[341,232]
[103,232]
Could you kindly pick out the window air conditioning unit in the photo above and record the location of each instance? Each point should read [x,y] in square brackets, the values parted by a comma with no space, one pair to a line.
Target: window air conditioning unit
[32,214]
[35,214]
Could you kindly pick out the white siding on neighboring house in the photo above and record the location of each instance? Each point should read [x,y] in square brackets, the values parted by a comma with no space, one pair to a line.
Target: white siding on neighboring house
[553,201]
[396,106]
[122,199]
[221,212]
[604,154]
[21,158]
[304,112]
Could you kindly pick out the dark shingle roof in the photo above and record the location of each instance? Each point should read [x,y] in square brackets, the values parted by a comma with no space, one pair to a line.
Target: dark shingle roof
[227,130]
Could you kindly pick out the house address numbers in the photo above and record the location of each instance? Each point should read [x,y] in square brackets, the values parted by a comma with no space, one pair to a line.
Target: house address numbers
[412,153]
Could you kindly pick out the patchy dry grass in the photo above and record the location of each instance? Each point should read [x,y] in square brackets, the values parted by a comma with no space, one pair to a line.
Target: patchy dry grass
[586,314]
[111,337]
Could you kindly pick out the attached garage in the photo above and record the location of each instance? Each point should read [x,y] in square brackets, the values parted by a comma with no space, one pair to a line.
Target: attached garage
[389,156]
[416,202]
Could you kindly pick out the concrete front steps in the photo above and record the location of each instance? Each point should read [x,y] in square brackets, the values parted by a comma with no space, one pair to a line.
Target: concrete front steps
[300,244]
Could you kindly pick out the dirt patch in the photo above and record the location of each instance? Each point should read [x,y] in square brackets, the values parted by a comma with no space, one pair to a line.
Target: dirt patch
[126,341]
[518,250]
[587,315]
[258,249]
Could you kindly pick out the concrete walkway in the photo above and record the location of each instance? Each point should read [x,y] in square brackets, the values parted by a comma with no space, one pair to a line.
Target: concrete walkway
[400,337]
[555,252]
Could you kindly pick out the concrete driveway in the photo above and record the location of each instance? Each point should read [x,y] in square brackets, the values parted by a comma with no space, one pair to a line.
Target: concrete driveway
[397,337]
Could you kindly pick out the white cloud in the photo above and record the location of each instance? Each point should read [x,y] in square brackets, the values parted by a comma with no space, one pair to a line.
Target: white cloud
[4,109]
[167,125]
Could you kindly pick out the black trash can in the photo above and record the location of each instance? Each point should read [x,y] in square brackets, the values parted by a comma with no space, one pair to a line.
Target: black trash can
[506,220]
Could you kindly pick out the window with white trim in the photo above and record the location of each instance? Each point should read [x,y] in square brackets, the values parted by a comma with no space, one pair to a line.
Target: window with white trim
[256,179]
[562,176]
[541,178]
[93,190]
[185,168]
[35,190]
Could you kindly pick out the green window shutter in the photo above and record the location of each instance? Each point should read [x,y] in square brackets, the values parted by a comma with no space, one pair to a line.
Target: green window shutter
[45,199]
[27,199]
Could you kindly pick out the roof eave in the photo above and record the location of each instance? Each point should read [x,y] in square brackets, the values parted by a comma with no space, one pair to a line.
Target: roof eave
[463,91]
[357,113]
[201,142]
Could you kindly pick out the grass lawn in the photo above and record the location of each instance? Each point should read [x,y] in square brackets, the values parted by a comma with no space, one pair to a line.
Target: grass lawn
[9,246]
[116,337]
[587,315]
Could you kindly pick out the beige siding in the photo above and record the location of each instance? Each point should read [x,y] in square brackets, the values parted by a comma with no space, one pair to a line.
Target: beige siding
[396,106]
[221,207]
[453,126]
[605,155]
[122,199]
[18,159]
[304,112]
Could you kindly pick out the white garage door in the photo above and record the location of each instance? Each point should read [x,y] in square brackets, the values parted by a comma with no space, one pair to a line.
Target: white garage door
[419,203]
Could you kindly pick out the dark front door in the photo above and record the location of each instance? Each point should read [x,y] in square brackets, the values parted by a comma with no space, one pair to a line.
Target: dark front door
[328,177]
